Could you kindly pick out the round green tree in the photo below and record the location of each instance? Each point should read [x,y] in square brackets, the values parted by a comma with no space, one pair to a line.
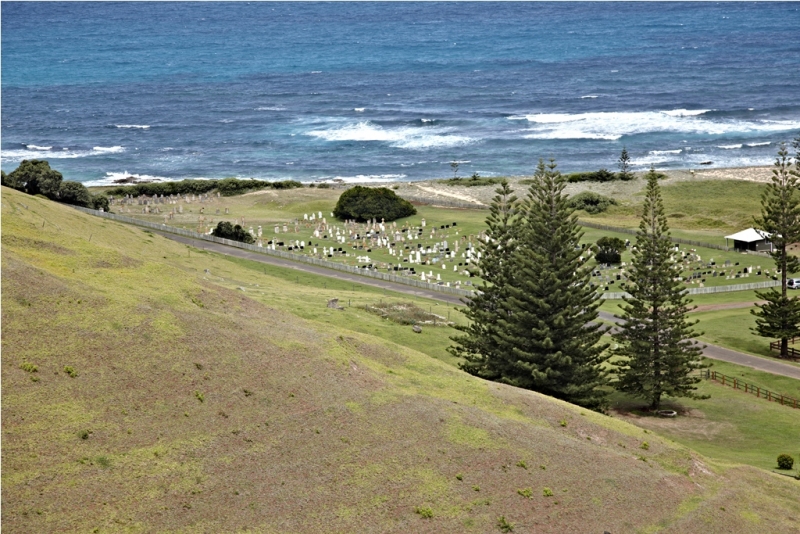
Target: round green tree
[365,203]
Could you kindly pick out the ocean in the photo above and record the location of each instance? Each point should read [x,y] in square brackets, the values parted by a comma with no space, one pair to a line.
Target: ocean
[366,92]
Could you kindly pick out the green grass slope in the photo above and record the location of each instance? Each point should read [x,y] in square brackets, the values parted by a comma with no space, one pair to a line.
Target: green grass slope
[140,394]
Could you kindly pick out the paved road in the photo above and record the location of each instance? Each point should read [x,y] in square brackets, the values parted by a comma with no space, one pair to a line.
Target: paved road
[711,351]
[727,355]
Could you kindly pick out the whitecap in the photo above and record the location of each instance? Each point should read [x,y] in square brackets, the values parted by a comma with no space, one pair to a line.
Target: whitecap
[765,143]
[730,147]
[613,125]
[358,110]
[685,112]
[404,137]
[663,152]
[589,96]
[35,147]
[316,72]
[136,126]
[112,177]
[270,108]
[108,149]
[225,121]
[427,120]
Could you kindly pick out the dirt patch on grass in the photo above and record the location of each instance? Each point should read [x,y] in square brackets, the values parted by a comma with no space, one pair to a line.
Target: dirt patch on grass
[15,241]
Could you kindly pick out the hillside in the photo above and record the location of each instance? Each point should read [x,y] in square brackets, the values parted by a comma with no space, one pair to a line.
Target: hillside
[165,400]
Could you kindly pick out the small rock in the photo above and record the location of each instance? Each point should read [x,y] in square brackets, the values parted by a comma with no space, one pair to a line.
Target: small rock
[416,329]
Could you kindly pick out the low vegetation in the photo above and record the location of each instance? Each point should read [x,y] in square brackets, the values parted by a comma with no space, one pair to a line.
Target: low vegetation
[590,202]
[226,187]
[406,313]
[226,230]
[372,203]
[35,177]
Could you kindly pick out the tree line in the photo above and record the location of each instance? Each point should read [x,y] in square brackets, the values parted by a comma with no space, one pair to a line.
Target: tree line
[534,321]
[35,177]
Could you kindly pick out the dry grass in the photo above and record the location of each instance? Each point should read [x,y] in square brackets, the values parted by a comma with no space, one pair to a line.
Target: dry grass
[304,426]
[406,313]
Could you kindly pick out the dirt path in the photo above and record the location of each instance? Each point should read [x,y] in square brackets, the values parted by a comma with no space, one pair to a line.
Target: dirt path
[441,192]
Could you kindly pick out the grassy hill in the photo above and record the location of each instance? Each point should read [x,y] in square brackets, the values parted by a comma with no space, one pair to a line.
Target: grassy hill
[142,391]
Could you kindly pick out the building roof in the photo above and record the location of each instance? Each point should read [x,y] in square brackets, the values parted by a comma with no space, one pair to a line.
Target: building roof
[749,236]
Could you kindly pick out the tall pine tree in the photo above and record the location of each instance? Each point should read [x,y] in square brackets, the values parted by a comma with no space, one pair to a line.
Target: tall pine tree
[477,345]
[543,334]
[779,316]
[657,353]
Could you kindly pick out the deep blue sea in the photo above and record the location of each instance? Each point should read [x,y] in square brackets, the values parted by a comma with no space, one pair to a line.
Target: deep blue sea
[393,91]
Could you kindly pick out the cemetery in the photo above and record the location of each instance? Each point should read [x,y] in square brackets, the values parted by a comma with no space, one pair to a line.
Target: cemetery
[437,245]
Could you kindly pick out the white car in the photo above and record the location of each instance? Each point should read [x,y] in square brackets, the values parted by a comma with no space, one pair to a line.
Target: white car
[793,283]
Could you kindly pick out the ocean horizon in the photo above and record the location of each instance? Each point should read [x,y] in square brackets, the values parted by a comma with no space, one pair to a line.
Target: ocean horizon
[376,92]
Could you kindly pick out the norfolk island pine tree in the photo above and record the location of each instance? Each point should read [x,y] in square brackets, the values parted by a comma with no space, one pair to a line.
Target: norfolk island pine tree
[779,316]
[544,336]
[657,354]
[477,346]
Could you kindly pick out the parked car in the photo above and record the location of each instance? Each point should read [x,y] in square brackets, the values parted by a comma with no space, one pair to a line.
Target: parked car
[793,283]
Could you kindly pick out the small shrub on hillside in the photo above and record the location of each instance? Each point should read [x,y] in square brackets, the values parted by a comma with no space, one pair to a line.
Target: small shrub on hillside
[100,202]
[504,525]
[459,477]
[199,396]
[70,371]
[547,492]
[785,461]
[83,434]
[364,203]
[226,230]
[526,492]
[74,193]
[474,181]
[522,464]
[591,202]
[29,367]
[426,513]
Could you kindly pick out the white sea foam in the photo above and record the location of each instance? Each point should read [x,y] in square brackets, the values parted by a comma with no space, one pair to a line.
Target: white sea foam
[729,147]
[427,120]
[112,177]
[225,121]
[35,147]
[46,153]
[270,108]
[664,152]
[358,110]
[613,125]
[686,112]
[363,178]
[765,143]
[108,149]
[403,137]
[590,96]
[136,126]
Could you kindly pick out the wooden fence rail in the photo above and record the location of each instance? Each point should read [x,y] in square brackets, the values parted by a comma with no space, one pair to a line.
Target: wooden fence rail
[737,383]
[794,354]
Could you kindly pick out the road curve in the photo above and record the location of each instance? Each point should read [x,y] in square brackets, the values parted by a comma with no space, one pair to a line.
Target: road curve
[711,351]
[739,358]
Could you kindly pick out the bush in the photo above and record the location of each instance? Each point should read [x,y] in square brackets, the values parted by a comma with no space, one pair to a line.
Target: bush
[785,461]
[610,250]
[74,193]
[100,202]
[591,202]
[35,177]
[365,203]
[226,187]
[226,230]
[425,512]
